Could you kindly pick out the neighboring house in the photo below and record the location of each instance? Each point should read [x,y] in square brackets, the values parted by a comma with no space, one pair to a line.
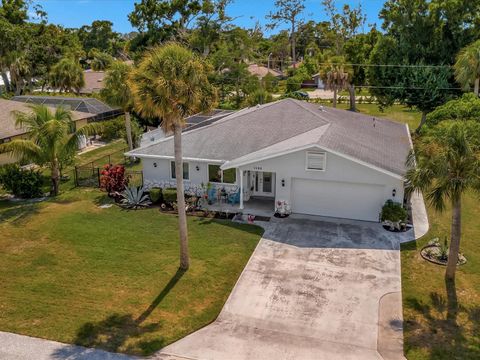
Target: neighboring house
[9,131]
[318,81]
[93,82]
[261,71]
[321,161]
[99,110]
[192,122]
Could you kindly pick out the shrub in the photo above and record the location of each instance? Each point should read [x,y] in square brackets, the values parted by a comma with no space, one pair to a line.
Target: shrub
[393,211]
[156,195]
[270,83]
[169,195]
[258,97]
[294,83]
[115,129]
[25,184]
[113,179]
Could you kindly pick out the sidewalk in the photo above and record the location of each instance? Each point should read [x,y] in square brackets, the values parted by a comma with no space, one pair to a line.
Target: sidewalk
[19,347]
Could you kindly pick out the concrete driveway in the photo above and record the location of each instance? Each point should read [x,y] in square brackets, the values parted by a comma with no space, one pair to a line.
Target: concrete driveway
[324,289]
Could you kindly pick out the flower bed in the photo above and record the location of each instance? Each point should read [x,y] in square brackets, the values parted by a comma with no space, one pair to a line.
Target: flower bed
[437,253]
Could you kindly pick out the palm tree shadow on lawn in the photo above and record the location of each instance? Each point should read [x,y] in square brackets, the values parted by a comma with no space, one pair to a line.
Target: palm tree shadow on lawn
[441,331]
[112,333]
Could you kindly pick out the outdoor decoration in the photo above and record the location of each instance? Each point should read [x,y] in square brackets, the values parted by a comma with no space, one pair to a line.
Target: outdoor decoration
[282,209]
[437,252]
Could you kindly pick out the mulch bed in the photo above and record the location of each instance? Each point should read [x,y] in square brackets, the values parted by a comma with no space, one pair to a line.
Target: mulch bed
[436,249]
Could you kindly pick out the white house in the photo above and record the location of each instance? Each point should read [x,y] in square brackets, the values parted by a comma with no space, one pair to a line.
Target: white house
[318,81]
[321,161]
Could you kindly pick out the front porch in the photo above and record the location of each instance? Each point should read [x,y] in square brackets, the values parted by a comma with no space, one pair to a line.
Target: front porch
[258,206]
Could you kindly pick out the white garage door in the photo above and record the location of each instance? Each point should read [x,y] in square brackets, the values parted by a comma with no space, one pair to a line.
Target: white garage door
[337,199]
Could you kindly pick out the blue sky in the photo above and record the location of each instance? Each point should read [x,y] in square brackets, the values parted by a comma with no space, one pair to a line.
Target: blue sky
[75,13]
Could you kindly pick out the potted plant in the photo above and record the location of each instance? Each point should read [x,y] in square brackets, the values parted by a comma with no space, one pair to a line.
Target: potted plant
[282,209]
[394,216]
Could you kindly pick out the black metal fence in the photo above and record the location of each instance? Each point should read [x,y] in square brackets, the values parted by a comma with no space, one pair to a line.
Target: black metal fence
[89,176]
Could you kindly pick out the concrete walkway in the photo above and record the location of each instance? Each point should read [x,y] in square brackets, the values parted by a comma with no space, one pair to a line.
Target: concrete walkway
[313,289]
[19,347]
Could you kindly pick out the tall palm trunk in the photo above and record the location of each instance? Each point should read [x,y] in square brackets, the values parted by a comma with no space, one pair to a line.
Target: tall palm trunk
[422,121]
[456,233]
[477,86]
[128,128]
[182,216]
[351,91]
[293,43]
[335,93]
[55,177]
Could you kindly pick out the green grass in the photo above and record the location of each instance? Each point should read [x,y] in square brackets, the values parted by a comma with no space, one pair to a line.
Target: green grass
[108,278]
[427,333]
[397,113]
[101,156]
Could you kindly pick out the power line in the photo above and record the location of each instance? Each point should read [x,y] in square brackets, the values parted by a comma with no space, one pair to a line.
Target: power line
[364,64]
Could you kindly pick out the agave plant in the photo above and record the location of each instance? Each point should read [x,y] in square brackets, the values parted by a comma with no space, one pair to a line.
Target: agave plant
[135,198]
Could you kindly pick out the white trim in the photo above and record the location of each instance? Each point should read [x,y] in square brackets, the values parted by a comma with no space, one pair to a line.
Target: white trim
[286,152]
[324,167]
[183,163]
[186,159]
[227,165]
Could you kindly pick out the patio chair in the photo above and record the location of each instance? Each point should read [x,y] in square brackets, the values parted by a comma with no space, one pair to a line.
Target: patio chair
[234,198]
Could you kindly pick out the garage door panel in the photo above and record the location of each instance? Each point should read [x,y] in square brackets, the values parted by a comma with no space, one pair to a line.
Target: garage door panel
[337,199]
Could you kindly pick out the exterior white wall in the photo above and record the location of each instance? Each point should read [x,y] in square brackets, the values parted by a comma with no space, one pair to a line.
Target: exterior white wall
[160,176]
[286,168]
[337,169]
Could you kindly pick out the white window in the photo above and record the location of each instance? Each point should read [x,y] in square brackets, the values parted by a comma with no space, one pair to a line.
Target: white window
[186,173]
[316,161]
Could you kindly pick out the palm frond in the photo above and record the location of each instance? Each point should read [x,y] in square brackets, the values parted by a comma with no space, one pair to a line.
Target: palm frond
[22,149]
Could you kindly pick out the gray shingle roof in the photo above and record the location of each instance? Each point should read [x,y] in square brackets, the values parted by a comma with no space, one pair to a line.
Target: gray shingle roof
[89,105]
[289,124]
[7,118]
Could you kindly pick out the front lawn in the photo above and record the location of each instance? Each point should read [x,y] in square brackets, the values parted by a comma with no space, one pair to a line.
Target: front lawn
[108,278]
[428,335]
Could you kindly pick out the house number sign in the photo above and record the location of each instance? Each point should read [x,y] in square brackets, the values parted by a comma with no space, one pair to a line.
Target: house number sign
[257,168]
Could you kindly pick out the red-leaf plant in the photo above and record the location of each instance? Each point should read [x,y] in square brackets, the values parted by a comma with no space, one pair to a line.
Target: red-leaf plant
[113,179]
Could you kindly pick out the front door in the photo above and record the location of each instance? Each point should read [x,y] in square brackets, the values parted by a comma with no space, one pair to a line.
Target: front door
[263,183]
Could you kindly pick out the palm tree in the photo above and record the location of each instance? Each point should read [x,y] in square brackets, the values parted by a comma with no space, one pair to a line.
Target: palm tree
[101,61]
[51,138]
[117,93]
[336,76]
[445,165]
[467,67]
[67,75]
[171,84]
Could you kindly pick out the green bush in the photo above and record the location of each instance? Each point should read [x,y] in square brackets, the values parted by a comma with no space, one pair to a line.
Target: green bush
[393,211]
[294,83]
[112,129]
[156,195]
[169,195]
[25,184]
